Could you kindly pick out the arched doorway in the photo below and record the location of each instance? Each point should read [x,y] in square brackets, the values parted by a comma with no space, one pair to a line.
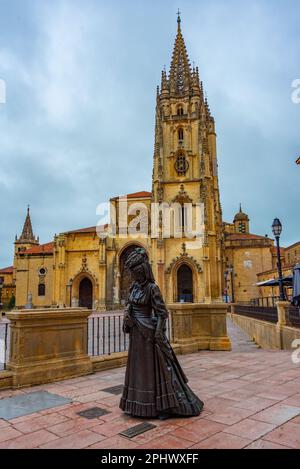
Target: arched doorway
[125,277]
[86,294]
[185,284]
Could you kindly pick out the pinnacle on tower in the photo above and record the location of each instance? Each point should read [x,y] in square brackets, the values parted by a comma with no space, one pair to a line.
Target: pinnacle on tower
[27,236]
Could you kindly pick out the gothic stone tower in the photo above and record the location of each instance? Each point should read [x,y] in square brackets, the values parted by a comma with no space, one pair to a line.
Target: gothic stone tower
[27,239]
[185,171]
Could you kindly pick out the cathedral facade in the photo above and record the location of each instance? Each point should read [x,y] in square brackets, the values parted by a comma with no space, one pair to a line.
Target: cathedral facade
[79,268]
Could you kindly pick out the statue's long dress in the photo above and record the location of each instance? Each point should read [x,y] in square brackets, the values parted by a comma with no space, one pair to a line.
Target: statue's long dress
[155,383]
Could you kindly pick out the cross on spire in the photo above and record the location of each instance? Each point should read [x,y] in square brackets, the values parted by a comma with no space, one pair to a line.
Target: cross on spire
[178,15]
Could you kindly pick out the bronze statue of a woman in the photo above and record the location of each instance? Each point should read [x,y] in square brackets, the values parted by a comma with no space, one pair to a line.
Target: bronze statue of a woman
[155,384]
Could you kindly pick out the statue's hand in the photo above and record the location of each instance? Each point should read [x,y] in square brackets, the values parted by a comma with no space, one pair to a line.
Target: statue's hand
[127,322]
[159,335]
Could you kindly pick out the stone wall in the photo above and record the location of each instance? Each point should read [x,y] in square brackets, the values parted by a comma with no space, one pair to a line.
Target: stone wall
[267,335]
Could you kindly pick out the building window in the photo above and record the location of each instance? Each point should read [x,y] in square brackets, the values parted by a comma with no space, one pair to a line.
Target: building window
[180,135]
[242,227]
[180,111]
[42,289]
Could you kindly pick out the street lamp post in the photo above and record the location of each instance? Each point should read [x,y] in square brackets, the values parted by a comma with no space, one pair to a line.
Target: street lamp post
[226,285]
[277,229]
[1,288]
[230,271]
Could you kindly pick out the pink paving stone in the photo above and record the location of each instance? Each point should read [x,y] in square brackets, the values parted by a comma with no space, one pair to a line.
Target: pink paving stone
[32,440]
[71,411]
[222,441]
[114,414]
[78,392]
[73,426]
[167,442]
[238,395]
[293,400]
[296,420]
[287,435]
[249,428]
[230,415]
[154,434]
[277,414]
[78,440]
[115,427]
[96,396]
[217,403]
[37,423]
[277,393]
[262,444]
[24,418]
[7,433]
[201,429]
[254,403]
[116,442]
[56,409]
[4,423]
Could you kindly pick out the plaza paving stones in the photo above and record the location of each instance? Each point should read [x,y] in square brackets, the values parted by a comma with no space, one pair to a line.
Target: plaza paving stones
[29,403]
[251,397]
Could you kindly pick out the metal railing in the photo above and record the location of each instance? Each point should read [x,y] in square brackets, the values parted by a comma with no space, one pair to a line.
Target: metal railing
[258,312]
[294,316]
[268,301]
[4,343]
[106,336]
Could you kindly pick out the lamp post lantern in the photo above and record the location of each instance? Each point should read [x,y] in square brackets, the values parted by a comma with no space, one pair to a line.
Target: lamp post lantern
[277,230]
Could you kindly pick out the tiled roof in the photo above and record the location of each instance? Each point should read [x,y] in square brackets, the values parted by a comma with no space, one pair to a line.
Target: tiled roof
[41,249]
[92,229]
[7,270]
[136,195]
[274,250]
[241,236]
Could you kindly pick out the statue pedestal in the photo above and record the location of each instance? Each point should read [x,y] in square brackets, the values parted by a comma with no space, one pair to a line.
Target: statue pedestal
[200,326]
[48,345]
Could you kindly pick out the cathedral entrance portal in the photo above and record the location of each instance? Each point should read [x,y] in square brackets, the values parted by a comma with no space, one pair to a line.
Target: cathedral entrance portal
[86,294]
[185,284]
[125,277]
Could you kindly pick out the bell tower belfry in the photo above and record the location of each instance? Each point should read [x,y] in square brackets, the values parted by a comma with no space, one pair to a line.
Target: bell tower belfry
[185,171]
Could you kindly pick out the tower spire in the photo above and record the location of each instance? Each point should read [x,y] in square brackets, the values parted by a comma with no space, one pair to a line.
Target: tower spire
[27,237]
[180,70]
[27,233]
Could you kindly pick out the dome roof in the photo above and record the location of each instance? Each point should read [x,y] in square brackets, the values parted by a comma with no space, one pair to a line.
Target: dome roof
[241,216]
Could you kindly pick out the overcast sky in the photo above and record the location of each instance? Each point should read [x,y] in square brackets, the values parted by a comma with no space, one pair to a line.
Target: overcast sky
[78,123]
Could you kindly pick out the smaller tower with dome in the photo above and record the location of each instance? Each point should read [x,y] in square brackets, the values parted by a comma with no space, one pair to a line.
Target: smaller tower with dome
[241,222]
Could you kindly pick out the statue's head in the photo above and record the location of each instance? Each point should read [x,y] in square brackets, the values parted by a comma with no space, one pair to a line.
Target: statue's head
[138,265]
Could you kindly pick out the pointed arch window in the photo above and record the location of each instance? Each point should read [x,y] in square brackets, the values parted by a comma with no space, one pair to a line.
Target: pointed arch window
[180,135]
[180,111]
[42,289]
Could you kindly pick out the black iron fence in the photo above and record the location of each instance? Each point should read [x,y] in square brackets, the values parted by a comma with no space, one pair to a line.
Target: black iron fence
[106,336]
[268,301]
[4,343]
[258,312]
[294,315]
